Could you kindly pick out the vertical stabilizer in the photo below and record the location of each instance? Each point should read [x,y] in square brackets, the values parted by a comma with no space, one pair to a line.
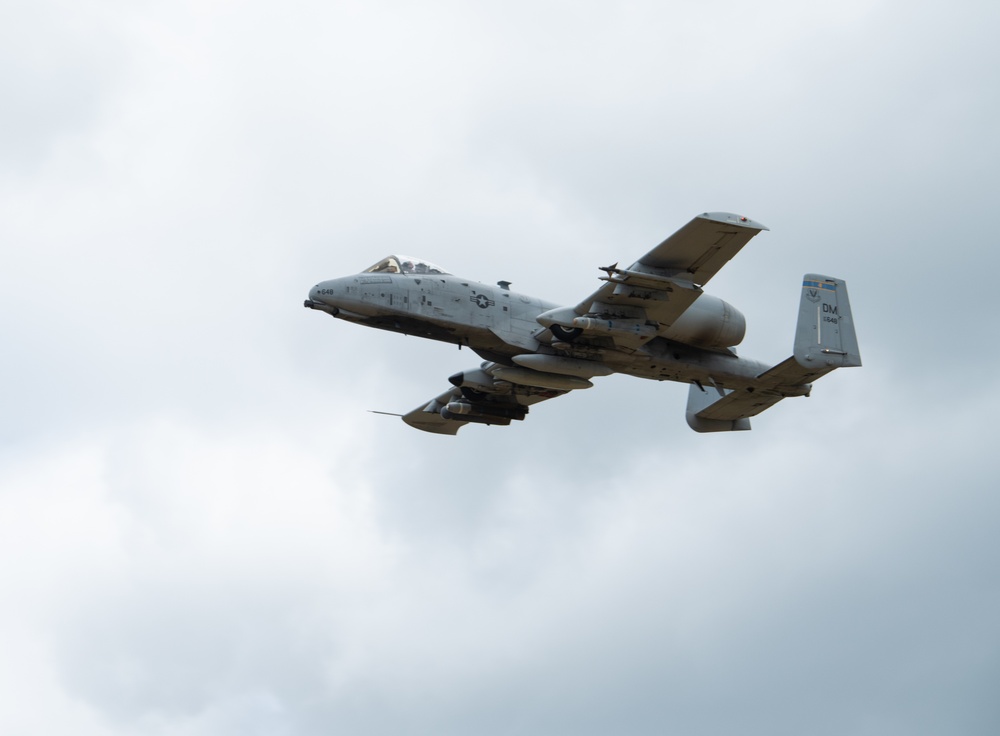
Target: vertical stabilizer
[701,398]
[825,333]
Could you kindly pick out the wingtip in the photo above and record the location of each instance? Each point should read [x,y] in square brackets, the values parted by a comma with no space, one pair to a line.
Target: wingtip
[734,219]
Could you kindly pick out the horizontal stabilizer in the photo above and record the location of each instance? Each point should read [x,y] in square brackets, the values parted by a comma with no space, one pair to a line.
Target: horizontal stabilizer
[824,341]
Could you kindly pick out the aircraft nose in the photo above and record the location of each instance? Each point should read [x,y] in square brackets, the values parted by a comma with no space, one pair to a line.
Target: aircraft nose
[321,297]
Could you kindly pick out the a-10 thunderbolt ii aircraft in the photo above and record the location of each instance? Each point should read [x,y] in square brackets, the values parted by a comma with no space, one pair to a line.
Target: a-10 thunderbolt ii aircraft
[650,320]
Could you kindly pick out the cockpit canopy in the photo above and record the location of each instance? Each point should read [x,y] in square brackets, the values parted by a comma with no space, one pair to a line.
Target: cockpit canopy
[405,264]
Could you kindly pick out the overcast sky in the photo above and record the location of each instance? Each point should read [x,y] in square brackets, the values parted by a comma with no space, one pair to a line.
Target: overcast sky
[204,533]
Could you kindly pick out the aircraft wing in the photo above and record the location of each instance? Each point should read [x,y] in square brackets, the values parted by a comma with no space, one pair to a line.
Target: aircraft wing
[736,405]
[477,398]
[703,246]
[428,416]
[658,288]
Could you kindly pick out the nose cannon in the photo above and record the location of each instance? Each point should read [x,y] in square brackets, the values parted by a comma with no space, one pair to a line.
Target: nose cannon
[318,296]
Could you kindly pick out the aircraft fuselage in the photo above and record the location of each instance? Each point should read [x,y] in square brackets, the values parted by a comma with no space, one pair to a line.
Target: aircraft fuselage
[499,324]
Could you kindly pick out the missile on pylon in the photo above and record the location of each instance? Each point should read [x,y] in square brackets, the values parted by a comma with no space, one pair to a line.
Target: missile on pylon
[632,328]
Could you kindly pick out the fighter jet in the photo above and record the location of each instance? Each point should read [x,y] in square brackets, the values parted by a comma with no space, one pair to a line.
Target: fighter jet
[650,320]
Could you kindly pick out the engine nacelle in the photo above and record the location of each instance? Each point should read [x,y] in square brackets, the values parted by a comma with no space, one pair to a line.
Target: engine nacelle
[710,323]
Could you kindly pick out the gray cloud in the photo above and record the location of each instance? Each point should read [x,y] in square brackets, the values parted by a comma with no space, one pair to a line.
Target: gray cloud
[205,532]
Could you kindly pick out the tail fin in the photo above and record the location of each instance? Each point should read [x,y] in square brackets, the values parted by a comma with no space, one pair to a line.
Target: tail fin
[824,336]
[702,399]
[824,340]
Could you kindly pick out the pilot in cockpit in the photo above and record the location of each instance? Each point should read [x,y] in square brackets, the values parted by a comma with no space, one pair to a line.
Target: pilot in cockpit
[405,265]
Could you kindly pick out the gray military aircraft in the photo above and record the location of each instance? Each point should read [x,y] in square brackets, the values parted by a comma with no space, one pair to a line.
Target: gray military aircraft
[650,320]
